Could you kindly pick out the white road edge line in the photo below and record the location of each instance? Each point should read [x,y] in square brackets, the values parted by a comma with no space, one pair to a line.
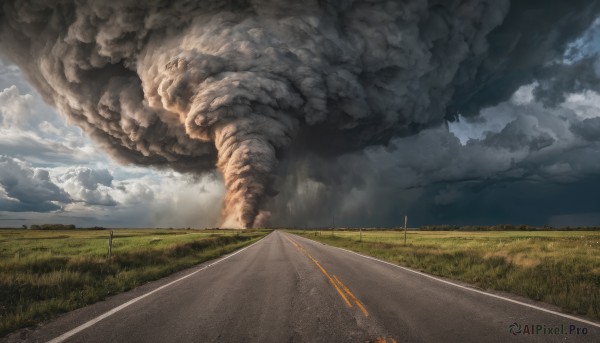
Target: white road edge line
[84,326]
[471,289]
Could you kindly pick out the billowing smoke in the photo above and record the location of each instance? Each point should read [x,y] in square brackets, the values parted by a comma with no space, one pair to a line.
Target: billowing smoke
[244,84]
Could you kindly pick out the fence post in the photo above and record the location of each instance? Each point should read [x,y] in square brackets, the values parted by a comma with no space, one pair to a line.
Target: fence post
[360,230]
[405,220]
[110,238]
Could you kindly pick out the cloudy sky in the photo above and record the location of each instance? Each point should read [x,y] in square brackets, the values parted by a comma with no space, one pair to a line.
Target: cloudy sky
[51,173]
[532,159]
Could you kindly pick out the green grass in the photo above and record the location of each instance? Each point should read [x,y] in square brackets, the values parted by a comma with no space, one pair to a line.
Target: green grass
[556,267]
[43,273]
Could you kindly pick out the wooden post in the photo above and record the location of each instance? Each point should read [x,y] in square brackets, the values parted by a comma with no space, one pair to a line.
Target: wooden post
[110,237]
[360,230]
[405,220]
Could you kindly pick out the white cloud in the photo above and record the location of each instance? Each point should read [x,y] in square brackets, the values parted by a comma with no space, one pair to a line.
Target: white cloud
[88,185]
[15,109]
[33,131]
[172,200]
[11,75]
[157,199]
[31,187]
[585,104]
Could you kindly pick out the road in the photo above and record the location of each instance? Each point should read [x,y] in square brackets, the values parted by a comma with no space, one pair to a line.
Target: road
[285,288]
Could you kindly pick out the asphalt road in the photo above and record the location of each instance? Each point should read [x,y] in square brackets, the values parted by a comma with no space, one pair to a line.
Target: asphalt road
[285,288]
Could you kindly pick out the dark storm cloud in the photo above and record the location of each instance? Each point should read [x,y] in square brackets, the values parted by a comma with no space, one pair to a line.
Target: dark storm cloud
[558,80]
[532,38]
[515,202]
[241,84]
[530,171]
[519,134]
[588,129]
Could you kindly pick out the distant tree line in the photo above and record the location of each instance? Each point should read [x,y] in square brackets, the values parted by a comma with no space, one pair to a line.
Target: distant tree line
[60,227]
[52,227]
[506,227]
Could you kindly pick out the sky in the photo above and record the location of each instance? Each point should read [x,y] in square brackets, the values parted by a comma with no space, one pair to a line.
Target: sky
[50,172]
[533,158]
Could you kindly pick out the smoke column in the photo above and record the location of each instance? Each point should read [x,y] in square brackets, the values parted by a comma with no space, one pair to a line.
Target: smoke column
[239,84]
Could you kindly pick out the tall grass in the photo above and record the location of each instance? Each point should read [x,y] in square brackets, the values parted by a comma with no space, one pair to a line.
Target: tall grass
[43,273]
[560,268]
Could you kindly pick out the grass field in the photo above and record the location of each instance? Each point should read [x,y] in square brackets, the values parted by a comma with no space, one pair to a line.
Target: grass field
[557,267]
[43,273]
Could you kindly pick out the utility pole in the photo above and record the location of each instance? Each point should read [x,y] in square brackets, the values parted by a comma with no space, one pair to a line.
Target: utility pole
[405,221]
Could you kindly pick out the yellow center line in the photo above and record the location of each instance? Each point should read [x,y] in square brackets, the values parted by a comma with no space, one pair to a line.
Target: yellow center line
[337,284]
[358,303]
[301,249]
